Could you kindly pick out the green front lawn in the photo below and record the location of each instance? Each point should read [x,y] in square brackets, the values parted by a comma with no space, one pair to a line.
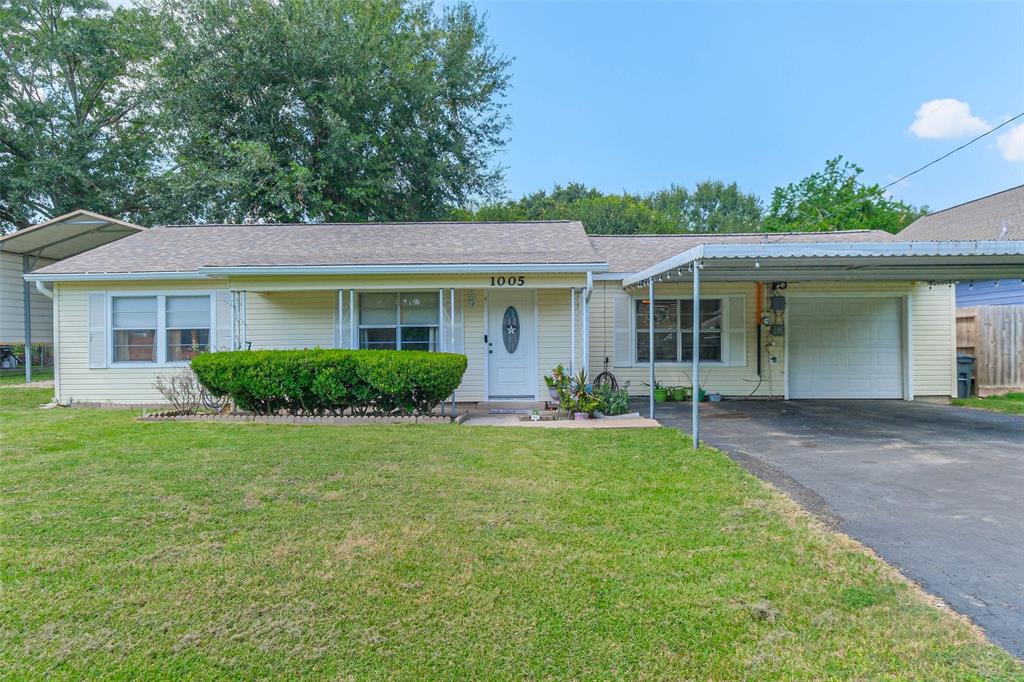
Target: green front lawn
[17,376]
[1010,403]
[132,550]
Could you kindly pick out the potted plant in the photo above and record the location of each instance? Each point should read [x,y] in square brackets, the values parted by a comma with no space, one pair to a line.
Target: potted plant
[557,382]
[678,393]
[584,405]
[660,391]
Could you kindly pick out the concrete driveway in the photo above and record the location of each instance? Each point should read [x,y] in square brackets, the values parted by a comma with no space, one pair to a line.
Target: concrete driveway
[938,491]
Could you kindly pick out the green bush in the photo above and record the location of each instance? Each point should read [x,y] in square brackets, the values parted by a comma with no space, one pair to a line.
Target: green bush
[321,381]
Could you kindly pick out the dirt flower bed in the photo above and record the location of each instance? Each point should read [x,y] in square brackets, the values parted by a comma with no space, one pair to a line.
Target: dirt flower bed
[350,420]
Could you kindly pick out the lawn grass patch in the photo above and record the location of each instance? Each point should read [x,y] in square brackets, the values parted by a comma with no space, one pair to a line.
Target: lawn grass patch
[1008,403]
[169,550]
[17,376]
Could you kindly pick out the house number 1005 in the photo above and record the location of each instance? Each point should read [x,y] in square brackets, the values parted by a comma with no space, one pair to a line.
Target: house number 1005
[510,281]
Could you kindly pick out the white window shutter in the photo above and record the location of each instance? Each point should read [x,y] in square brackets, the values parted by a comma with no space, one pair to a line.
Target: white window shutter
[623,314]
[97,330]
[222,315]
[736,330]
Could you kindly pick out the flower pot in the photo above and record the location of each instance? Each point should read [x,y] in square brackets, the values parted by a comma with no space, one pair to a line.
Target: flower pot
[702,395]
[660,395]
[580,416]
[553,392]
[677,394]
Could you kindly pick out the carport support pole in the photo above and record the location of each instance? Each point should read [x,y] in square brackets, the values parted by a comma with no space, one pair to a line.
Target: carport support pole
[650,344]
[26,295]
[695,379]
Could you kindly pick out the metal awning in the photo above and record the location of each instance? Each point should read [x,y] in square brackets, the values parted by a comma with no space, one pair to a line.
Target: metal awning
[947,261]
[67,235]
[58,238]
[865,261]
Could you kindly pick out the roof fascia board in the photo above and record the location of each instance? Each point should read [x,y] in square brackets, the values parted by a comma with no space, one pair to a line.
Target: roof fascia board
[417,269]
[111,276]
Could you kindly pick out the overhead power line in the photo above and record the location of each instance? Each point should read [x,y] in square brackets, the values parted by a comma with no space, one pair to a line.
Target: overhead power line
[913,172]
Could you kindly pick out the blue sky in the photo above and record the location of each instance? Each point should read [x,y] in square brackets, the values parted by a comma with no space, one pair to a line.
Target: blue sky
[635,96]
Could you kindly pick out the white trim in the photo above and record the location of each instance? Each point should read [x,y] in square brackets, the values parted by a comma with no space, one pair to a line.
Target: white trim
[412,268]
[112,276]
[722,299]
[161,326]
[906,336]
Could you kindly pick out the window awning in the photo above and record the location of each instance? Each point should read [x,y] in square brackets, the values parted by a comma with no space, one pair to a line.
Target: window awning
[67,235]
[866,261]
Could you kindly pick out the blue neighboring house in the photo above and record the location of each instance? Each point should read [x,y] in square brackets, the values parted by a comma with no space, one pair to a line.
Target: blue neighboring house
[998,216]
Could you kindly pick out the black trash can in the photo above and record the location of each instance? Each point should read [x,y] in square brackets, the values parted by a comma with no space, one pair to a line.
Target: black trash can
[964,375]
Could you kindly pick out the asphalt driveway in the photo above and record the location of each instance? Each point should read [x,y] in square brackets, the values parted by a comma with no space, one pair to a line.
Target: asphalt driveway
[938,491]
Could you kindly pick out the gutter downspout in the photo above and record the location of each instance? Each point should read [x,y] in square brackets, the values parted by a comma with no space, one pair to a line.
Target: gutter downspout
[41,288]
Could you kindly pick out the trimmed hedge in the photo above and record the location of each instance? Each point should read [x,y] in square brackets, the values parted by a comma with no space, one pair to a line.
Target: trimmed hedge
[318,381]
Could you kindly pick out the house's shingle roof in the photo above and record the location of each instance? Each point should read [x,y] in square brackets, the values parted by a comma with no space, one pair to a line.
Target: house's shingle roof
[634,253]
[187,248]
[978,220]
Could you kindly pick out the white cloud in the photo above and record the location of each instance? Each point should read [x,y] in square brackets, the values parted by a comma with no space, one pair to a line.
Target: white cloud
[945,118]
[1011,143]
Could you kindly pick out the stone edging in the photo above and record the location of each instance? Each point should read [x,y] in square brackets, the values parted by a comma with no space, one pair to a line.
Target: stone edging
[290,419]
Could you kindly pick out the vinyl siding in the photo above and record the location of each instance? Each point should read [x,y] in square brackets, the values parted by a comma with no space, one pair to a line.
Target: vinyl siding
[77,381]
[12,296]
[1009,292]
[932,331]
[726,379]
[293,319]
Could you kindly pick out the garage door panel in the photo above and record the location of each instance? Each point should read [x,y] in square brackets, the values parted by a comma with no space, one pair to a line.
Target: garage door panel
[845,348]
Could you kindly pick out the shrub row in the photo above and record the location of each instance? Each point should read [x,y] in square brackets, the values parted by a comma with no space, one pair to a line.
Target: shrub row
[379,382]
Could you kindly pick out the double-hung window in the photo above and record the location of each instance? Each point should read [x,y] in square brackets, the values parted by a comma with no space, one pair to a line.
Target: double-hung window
[159,329]
[673,330]
[399,321]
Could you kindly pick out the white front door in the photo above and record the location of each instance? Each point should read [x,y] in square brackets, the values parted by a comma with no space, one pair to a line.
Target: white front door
[845,348]
[511,346]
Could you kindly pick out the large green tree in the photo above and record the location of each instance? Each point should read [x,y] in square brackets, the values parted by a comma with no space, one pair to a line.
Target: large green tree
[296,110]
[836,199]
[76,109]
[712,206]
[600,213]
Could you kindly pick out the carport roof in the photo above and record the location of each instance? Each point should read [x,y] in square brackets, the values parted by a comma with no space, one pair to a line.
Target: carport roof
[878,261]
[67,235]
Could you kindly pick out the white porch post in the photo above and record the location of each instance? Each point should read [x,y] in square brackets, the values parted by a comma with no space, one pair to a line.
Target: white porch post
[353,332]
[572,331]
[650,344]
[27,317]
[696,355]
[586,323]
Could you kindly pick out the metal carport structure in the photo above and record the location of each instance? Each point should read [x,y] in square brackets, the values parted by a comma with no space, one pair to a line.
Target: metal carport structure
[61,237]
[938,262]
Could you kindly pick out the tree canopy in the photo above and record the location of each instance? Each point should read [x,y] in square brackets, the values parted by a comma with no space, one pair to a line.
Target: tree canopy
[246,110]
[77,110]
[836,199]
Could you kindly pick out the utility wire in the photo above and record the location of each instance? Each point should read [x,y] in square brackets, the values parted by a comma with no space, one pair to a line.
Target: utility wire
[913,172]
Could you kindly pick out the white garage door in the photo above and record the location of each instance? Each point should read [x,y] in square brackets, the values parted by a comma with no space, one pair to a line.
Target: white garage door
[845,348]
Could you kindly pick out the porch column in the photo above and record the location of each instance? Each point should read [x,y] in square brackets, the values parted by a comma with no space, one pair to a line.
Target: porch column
[695,380]
[650,345]
[27,316]
[572,331]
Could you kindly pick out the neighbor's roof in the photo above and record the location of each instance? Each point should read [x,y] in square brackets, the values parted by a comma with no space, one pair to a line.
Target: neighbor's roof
[67,235]
[634,253]
[980,219]
[189,248]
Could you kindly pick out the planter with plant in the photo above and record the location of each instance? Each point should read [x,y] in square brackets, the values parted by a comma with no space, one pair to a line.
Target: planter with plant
[614,401]
[660,391]
[678,393]
[557,382]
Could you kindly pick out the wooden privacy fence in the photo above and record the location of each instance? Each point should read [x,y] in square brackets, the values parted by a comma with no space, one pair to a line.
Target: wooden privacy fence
[994,334]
